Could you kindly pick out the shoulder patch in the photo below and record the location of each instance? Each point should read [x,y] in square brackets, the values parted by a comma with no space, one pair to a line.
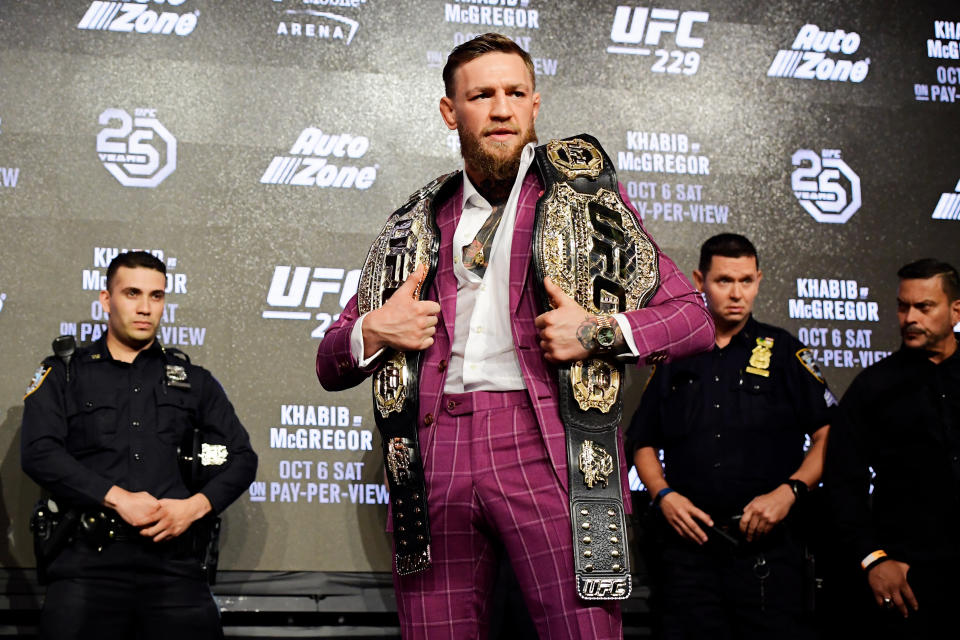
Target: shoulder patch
[38,377]
[809,362]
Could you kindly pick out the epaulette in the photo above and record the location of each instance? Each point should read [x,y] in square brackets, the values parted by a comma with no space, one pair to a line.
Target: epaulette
[176,353]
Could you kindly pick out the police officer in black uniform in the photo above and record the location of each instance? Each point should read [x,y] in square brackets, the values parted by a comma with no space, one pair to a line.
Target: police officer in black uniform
[732,424]
[102,428]
[893,469]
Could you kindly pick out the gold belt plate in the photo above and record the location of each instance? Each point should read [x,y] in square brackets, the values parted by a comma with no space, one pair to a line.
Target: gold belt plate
[593,248]
[404,243]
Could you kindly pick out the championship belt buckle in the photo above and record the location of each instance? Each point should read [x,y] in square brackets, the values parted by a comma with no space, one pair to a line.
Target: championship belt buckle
[408,240]
[592,246]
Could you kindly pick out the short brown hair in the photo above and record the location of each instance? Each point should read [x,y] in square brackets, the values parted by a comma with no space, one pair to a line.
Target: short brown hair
[481,45]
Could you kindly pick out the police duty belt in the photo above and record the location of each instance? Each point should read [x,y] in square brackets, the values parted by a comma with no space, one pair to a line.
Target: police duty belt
[591,246]
[409,238]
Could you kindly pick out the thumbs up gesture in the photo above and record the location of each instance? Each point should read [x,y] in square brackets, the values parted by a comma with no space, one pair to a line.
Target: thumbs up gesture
[566,333]
[403,322]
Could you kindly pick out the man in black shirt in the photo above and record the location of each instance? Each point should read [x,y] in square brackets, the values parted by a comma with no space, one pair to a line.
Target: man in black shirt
[732,424]
[900,418]
[101,431]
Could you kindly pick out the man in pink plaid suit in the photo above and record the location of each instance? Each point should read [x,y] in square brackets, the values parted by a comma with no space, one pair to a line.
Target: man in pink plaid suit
[492,441]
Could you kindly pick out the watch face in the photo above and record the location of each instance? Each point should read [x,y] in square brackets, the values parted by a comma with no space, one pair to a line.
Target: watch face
[606,336]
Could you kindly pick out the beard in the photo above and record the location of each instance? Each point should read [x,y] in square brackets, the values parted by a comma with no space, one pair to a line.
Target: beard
[498,162]
[929,338]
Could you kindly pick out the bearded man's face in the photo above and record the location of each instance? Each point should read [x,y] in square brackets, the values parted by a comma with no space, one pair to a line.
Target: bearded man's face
[493,109]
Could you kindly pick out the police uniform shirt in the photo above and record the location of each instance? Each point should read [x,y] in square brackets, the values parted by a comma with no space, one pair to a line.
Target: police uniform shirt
[900,418]
[118,423]
[732,421]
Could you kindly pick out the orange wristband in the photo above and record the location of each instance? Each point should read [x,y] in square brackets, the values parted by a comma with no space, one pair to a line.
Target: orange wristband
[873,558]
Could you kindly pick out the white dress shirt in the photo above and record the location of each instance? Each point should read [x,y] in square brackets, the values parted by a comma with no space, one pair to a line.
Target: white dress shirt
[484,357]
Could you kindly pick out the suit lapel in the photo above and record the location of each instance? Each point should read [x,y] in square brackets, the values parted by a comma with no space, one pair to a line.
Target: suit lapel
[448,216]
[521,250]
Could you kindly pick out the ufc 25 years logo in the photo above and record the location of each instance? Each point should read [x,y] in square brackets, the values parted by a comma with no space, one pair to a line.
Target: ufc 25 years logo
[826,187]
[137,151]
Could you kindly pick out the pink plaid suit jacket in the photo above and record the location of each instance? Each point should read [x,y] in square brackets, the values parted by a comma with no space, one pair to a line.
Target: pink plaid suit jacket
[674,324]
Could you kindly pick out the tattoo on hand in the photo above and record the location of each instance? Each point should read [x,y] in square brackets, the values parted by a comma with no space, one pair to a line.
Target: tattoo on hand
[587,332]
[587,336]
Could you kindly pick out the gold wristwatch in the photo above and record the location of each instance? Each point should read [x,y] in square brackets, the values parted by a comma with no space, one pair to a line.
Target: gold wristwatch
[606,333]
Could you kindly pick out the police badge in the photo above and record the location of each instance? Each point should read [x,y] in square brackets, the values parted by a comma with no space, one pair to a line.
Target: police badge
[176,376]
[212,455]
[760,358]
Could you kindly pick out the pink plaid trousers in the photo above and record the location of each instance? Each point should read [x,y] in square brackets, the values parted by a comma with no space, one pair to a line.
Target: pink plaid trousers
[490,482]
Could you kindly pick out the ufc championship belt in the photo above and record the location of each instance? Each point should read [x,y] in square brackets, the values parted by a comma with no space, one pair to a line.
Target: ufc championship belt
[592,247]
[409,238]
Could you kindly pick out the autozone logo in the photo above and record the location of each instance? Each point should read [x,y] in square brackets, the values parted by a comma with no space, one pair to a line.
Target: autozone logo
[295,292]
[826,187]
[949,206]
[137,17]
[139,151]
[638,31]
[808,57]
[308,165]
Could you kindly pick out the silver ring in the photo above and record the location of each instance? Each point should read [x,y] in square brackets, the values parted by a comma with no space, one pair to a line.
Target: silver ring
[887,602]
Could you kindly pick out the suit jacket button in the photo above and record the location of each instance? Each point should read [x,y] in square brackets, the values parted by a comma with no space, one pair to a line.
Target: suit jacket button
[442,365]
[428,419]
[657,357]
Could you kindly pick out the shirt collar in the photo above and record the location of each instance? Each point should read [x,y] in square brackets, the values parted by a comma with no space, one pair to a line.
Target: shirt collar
[100,351]
[922,355]
[749,332]
[472,197]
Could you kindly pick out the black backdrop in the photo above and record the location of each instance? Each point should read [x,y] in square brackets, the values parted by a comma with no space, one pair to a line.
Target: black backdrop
[257,146]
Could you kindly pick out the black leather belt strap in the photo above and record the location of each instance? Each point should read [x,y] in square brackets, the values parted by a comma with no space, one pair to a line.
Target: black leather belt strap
[409,238]
[591,246]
